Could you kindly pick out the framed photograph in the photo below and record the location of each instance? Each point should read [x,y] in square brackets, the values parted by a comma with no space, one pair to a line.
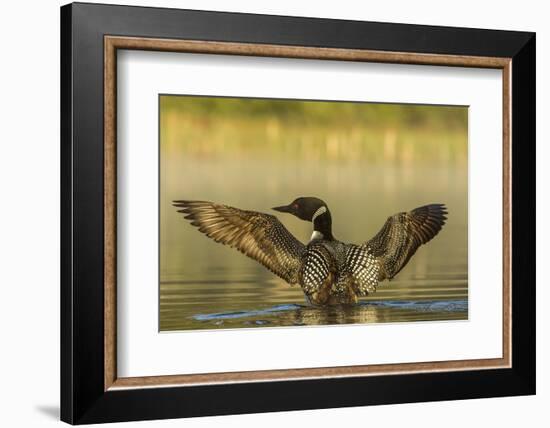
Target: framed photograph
[265,213]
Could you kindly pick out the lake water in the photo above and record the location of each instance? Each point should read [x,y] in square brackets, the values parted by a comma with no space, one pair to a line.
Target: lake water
[205,285]
[366,161]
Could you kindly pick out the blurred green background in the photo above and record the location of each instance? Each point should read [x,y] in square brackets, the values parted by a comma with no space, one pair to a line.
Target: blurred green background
[340,131]
[366,160]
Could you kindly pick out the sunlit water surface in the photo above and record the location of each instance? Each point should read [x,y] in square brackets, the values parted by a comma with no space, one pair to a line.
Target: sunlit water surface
[205,285]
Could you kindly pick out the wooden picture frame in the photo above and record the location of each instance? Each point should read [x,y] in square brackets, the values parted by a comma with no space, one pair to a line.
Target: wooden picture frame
[91,390]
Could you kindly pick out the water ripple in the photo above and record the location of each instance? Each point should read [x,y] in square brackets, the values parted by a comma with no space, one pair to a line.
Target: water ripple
[457,305]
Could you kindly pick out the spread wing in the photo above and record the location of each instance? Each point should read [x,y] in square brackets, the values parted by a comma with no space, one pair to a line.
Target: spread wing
[260,236]
[401,236]
[363,268]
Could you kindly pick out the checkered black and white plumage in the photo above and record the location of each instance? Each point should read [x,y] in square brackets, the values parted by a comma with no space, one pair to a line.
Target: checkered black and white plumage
[402,235]
[316,269]
[329,271]
[260,236]
[363,269]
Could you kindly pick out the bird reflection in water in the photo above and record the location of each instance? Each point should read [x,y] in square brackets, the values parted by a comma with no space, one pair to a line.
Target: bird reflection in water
[362,313]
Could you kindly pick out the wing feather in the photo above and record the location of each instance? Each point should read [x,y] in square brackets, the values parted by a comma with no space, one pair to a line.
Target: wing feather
[363,268]
[260,236]
[402,234]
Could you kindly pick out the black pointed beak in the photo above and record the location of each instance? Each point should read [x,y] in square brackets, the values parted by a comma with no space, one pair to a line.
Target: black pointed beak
[283,208]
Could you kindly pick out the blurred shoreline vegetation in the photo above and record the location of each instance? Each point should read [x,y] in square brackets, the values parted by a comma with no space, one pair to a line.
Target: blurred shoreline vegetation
[247,128]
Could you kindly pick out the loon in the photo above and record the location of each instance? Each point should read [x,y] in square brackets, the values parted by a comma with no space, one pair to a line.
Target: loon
[329,271]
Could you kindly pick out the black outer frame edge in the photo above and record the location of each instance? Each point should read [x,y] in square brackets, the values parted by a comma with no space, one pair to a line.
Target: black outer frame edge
[169,403]
[82,397]
[66,306]
[300,31]
[524,213]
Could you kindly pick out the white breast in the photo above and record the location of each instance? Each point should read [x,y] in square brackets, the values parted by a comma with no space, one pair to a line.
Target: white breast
[316,235]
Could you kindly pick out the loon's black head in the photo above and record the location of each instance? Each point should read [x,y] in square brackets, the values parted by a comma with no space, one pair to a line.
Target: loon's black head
[305,208]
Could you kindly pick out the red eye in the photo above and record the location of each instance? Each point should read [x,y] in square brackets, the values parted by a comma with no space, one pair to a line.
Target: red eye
[295,206]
